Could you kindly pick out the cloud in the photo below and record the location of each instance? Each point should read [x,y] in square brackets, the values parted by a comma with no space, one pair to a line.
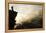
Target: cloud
[25,12]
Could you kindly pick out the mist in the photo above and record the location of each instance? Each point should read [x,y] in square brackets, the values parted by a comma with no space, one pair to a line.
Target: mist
[26,12]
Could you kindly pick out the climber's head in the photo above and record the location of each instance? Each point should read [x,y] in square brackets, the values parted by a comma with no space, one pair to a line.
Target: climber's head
[12,8]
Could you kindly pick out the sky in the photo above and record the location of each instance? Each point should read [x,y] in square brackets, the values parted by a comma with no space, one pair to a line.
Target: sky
[25,7]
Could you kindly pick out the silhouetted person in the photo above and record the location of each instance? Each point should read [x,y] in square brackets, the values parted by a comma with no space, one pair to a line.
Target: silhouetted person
[12,15]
